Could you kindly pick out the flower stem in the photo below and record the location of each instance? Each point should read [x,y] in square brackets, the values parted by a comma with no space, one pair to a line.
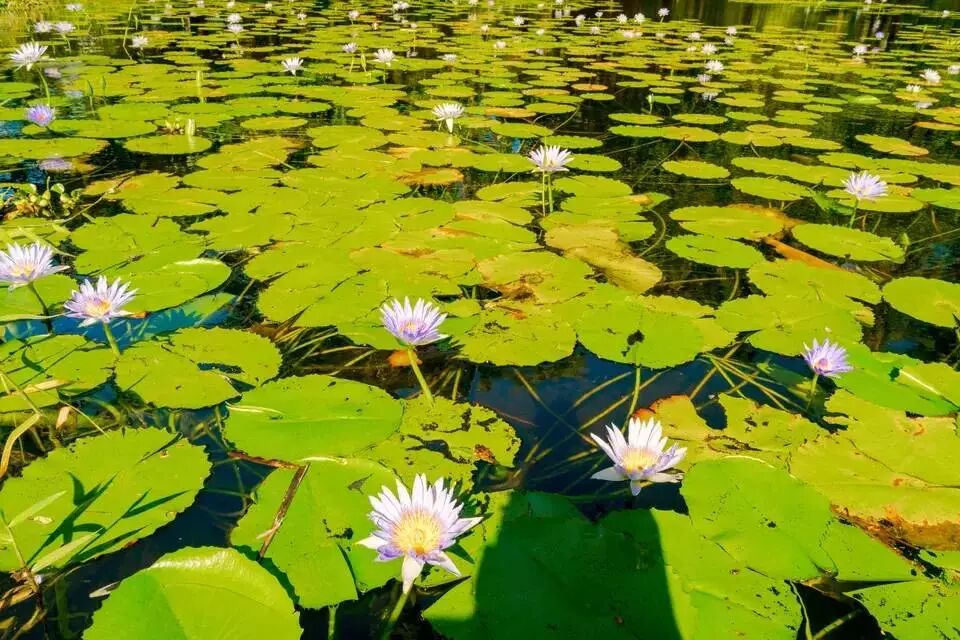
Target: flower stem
[395,614]
[43,307]
[412,356]
[543,192]
[107,331]
[813,389]
[550,192]
[46,87]
[853,216]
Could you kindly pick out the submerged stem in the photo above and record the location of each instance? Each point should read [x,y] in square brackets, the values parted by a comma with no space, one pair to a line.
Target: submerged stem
[412,356]
[813,390]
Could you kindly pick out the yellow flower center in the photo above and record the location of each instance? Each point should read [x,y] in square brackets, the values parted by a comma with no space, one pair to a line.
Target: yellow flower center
[635,460]
[97,308]
[418,531]
[823,364]
[22,270]
[411,327]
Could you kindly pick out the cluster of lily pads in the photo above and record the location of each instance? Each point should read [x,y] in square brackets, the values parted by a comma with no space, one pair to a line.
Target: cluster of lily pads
[688,209]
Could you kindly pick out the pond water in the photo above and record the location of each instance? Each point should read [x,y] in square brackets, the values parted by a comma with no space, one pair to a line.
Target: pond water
[629,213]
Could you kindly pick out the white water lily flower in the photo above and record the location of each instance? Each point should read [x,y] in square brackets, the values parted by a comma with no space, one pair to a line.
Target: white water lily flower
[731,31]
[417,526]
[550,159]
[447,112]
[714,66]
[42,27]
[622,18]
[64,27]
[663,12]
[859,50]
[709,49]
[384,56]
[235,28]
[639,18]
[353,14]
[292,65]
[912,88]
[518,21]
[865,186]
[350,47]
[931,76]
[953,69]
[28,54]
[139,42]
[234,18]
[99,303]
[640,457]
[21,265]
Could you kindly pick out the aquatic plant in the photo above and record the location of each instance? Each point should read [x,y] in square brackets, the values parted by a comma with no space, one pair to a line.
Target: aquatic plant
[641,457]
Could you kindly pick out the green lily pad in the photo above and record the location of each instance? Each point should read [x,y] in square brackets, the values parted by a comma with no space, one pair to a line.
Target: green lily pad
[851,244]
[926,299]
[719,252]
[196,368]
[196,594]
[97,496]
[312,416]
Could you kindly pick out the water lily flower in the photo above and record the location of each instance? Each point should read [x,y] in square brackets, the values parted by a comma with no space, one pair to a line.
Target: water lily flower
[301,16]
[622,18]
[20,265]
[417,526]
[595,30]
[28,54]
[912,88]
[234,18]
[64,27]
[484,28]
[413,326]
[945,14]
[235,28]
[550,159]
[292,65]
[953,69]
[709,49]
[449,58]
[731,31]
[41,115]
[859,50]
[55,164]
[74,6]
[639,18]
[640,457]
[663,12]
[695,35]
[447,112]
[580,19]
[499,44]
[714,66]
[518,21]
[826,358]
[709,96]
[99,303]
[139,42]
[704,78]
[268,6]
[878,35]
[42,27]
[865,186]
[930,76]
[384,56]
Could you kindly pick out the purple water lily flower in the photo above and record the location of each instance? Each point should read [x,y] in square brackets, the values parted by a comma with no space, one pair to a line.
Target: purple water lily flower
[41,115]
[99,303]
[413,326]
[640,457]
[417,526]
[21,265]
[826,358]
